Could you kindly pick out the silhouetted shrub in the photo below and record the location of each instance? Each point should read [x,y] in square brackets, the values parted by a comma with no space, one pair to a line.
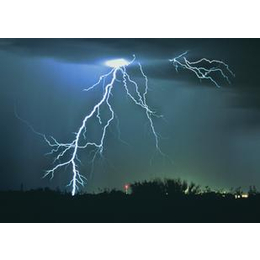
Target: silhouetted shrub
[252,191]
[148,189]
[175,187]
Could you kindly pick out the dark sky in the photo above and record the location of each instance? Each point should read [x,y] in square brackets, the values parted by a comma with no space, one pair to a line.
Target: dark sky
[212,135]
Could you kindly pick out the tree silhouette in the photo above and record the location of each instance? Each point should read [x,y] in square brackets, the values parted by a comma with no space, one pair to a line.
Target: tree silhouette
[175,187]
[252,191]
[193,189]
[148,189]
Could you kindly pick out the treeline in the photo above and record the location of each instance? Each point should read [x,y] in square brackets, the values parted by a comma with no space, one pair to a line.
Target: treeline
[155,188]
[167,200]
[179,188]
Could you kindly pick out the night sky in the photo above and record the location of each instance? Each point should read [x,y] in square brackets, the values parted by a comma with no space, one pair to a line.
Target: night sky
[211,135]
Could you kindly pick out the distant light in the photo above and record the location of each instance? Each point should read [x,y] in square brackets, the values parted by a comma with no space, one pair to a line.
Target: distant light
[126,186]
[242,196]
[117,63]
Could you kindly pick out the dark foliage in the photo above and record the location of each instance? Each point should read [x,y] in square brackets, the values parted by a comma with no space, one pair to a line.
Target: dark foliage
[166,200]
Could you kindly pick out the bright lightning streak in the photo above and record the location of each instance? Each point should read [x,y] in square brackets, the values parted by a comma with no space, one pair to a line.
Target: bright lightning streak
[203,72]
[71,150]
[67,154]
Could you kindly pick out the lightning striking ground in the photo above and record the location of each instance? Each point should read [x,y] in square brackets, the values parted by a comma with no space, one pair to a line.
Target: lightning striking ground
[66,154]
[203,68]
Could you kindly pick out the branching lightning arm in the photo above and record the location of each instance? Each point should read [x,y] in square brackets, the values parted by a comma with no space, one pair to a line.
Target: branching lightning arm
[71,150]
[203,72]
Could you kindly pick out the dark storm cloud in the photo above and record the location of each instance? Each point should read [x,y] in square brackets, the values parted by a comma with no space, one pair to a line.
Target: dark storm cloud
[238,53]
[82,50]
[154,53]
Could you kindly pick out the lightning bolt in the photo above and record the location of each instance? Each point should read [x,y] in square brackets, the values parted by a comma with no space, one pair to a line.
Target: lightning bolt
[203,72]
[66,154]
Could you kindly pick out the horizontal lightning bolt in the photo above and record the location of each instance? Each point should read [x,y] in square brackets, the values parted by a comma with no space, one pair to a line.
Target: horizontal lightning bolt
[203,73]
